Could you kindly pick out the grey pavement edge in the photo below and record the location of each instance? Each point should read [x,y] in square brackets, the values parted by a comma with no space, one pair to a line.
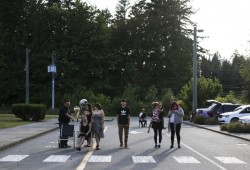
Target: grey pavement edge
[14,135]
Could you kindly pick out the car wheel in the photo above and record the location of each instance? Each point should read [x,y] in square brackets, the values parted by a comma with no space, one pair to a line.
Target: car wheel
[234,120]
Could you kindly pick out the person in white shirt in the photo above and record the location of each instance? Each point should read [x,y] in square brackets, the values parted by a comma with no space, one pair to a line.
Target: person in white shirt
[175,116]
[143,118]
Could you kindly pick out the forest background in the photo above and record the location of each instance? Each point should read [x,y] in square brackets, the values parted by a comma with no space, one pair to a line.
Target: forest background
[143,54]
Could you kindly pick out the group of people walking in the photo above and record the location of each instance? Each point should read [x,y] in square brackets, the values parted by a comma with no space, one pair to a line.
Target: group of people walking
[175,115]
[92,123]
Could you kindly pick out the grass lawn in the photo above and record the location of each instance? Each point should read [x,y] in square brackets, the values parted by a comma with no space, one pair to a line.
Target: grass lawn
[9,120]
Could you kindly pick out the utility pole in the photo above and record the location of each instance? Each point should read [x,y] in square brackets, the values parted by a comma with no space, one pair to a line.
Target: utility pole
[27,77]
[194,103]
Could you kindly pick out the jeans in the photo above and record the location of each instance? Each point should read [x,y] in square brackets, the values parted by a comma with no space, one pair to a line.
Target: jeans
[120,131]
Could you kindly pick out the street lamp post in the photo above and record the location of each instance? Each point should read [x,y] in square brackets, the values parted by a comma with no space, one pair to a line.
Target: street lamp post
[194,103]
[52,69]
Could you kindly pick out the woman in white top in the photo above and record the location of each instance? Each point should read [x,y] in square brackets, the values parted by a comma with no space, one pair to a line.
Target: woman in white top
[175,116]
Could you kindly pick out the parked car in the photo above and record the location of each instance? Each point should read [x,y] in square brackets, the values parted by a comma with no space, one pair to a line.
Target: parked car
[235,115]
[216,108]
[245,120]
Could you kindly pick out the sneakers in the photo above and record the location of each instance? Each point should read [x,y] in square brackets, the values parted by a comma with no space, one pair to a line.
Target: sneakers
[171,146]
[121,145]
[159,146]
[179,146]
[78,148]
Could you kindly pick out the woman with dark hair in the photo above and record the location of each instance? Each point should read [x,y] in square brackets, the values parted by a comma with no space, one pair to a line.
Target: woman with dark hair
[156,123]
[88,112]
[175,116]
[98,124]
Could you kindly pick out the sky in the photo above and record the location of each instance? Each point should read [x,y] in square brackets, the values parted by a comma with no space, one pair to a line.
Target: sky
[226,24]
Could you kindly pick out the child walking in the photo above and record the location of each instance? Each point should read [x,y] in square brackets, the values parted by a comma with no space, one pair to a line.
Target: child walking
[84,131]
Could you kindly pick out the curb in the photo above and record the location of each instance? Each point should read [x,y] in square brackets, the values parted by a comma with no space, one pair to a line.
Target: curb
[227,134]
[27,138]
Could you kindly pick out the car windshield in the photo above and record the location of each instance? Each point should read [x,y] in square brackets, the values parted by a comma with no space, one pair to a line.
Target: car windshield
[238,108]
[210,107]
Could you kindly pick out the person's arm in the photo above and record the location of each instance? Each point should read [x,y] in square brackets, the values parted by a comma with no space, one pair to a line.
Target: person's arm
[169,114]
[179,112]
[80,129]
[103,117]
[69,116]
[89,129]
[117,116]
[129,119]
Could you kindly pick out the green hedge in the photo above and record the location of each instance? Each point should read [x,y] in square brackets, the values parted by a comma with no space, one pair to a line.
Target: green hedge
[36,112]
[236,127]
[204,121]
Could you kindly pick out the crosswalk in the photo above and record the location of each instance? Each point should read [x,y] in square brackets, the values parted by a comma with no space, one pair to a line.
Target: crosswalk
[108,158]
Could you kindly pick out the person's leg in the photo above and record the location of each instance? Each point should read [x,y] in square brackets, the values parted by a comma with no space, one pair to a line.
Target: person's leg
[178,129]
[160,137]
[120,132]
[141,121]
[81,140]
[64,140]
[97,139]
[172,134]
[149,126]
[126,129]
[155,137]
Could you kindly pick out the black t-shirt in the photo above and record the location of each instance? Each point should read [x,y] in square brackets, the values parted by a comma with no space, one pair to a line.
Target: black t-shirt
[144,115]
[123,114]
[62,115]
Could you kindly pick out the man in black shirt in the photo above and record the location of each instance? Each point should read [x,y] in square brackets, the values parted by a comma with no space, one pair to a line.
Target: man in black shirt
[123,121]
[64,119]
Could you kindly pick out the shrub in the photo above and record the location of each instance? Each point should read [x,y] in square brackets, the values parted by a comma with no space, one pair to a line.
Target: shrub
[223,127]
[211,121]
[35,112]
[199,120]
[236,127]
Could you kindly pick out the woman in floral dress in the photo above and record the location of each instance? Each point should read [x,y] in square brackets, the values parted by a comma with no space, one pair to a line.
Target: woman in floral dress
[98,124]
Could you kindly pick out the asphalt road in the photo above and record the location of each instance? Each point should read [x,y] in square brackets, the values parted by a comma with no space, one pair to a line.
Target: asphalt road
[201,149]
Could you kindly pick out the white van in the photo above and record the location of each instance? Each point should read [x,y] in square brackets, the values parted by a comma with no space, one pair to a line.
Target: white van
[235,115]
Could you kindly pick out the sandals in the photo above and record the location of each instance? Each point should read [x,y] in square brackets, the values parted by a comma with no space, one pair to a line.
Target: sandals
[78,148]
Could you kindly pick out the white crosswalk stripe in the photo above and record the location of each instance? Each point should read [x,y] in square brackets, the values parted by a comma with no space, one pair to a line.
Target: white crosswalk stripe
[186,159]
[100,158]
[230,160]
[13,158]
[57,158]
[143,159]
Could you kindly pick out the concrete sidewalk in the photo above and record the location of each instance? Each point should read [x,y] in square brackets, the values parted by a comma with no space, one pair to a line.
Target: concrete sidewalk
[216,128]
[15,135]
